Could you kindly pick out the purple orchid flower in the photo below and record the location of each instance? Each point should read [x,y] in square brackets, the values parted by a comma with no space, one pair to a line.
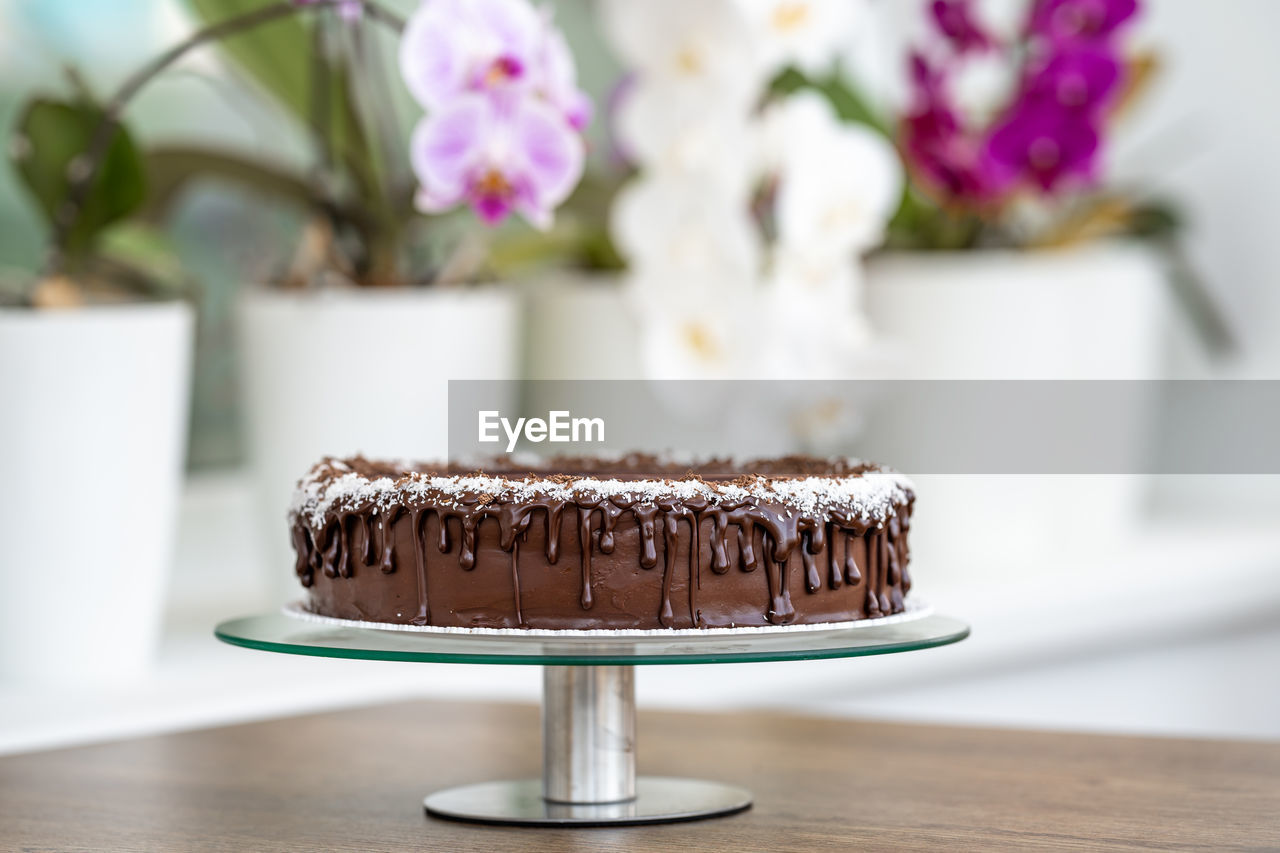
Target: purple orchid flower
[559,83]
[1072,21]
[955,20]
[1079,79]
[926,80]
[519,156]
[504,111]
[941,151]
[1049,146]
[1049,135]
[500,48]
[947,158]
[452,47]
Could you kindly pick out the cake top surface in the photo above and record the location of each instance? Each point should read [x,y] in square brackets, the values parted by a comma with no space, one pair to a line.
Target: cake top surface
[809,485]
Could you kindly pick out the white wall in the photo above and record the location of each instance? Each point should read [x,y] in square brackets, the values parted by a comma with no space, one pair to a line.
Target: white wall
[1208,134]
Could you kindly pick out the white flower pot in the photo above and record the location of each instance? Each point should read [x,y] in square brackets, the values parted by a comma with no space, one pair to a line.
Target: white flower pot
[1096,312]
[358,371]
[580,327]
[92,445]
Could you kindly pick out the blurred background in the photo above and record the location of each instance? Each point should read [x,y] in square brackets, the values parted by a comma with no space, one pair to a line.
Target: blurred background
[149,448]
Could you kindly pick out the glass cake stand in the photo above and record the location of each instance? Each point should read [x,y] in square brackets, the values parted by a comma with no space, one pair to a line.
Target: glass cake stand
[588,703]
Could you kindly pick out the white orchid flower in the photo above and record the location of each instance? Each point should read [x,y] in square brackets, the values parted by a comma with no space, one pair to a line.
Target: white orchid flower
[705,46]
[838,183]
[807,34]
[669,130]
[687,227]
[697,328]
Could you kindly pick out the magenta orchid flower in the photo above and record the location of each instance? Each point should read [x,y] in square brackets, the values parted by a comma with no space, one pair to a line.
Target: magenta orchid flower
[504,111]
[1048,135]
[941,150]
[519,156]
[1078,80]
[1045,145]
[952,161]
[955,20]
[1066,21]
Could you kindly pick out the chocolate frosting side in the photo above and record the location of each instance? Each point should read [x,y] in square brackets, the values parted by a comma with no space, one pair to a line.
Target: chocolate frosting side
[633,543]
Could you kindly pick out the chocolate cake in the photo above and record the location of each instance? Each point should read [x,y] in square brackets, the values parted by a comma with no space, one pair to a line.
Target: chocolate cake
[630,543]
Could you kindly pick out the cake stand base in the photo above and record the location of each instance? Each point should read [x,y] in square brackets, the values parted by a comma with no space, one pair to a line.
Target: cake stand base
[588,766]
[658,800]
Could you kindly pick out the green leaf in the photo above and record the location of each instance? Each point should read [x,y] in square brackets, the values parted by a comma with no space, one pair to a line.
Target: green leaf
[349,141]
[1157,219]
[276,55]
[49,136]
[281,57]
[849,103]
[844,98]
[148,253]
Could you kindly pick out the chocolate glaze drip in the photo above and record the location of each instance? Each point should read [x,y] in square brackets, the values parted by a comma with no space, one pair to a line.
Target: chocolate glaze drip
[851,573]
[747,547]
[515,580]
[671,543]
[491,581]
[585,544]
[835,571]
[418,520]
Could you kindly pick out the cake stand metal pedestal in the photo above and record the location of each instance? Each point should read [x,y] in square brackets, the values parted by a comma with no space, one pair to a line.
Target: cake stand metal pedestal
[588,765]
[588,704]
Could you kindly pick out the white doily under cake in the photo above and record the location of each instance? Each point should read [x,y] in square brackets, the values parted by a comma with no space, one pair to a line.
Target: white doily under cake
[915,609]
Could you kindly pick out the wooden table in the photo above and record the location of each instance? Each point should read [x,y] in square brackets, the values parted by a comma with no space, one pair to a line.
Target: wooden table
[354,780]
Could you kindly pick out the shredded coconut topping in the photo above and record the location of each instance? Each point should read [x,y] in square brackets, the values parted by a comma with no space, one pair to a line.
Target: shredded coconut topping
[855,490]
